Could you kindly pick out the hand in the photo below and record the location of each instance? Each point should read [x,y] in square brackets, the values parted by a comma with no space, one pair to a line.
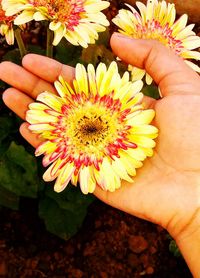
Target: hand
[166,189]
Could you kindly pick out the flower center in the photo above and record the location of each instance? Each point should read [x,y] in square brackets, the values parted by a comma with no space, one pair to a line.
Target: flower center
[154,30]
[68,12]
[92,129]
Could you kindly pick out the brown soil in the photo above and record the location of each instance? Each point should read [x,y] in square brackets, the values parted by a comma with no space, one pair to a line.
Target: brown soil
[109,244]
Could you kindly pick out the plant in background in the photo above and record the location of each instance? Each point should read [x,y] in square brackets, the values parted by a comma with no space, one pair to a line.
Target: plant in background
[6,26]
[77,21]
[96,133]
[10,31]
[156,21]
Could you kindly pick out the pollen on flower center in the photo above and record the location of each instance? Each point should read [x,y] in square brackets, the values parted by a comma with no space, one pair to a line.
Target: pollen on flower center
[68,12]
[92,127]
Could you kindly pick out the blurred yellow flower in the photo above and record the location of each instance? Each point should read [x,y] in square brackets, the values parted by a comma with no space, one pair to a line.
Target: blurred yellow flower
[6,26]
[157,21]
[97,132]
[78,21]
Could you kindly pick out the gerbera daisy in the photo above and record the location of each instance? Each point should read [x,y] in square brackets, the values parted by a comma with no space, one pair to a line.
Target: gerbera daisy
[156,21]
[97,132]
[79,21]
[6,26]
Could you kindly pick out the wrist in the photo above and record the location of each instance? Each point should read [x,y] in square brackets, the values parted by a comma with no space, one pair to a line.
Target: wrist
[188,241]
[185,230]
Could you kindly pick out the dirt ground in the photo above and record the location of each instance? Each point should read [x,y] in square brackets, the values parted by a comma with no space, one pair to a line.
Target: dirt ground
[109,244]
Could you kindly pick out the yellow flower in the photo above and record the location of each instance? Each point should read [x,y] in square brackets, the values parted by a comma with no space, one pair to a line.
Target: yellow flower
[6,26]
[79,21]
[97,131]
[156,21]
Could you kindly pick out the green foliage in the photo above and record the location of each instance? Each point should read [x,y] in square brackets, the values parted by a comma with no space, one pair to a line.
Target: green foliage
[67,53]
[64,212]
[13,56]
[7,132]
[174,248]
[151,91]
[18,172]
[95,54]
[8,199]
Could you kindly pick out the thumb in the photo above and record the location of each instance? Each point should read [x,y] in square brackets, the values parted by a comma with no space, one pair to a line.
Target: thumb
[169,71]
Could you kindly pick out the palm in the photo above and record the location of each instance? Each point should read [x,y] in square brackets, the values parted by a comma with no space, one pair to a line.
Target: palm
[177,116]
[175,165]
[163,186]
[167,183]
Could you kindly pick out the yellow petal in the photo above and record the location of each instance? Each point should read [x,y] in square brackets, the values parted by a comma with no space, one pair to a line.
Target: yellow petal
[81,78]
[120,170]
[64,177]
[59,34]
[143,141]
[87,181]
[148,79]
[144,129]
[51,100]
[24,17]
[142,118]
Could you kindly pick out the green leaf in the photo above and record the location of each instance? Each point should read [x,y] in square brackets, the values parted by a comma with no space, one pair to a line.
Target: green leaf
[63,213]
[95,54]
[151,91]
[7,129]
[70,198]
[13,56]
[104,38]
[8,199]
[18,172]
[61,222]
[67,53]
[2,85]
[36,49]
[173,248]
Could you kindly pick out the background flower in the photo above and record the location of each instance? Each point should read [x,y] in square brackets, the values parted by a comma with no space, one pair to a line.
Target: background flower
[97,132]
[156,21]
[79,21]
[6,26]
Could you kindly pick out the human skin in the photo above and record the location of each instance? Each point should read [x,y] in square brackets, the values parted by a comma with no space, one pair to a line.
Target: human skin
[166,190]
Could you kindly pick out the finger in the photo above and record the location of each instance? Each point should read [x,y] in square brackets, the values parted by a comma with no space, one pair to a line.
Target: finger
[168,70]
[148,102]
[17,101]
[30,137]
[50,69]
[23,80]
[47,68]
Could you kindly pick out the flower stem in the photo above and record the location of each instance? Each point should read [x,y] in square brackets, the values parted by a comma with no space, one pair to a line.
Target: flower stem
[49,49]
[20,42]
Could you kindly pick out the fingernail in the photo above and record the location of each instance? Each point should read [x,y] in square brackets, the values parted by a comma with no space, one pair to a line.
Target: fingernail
[119,35]
[122,36]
